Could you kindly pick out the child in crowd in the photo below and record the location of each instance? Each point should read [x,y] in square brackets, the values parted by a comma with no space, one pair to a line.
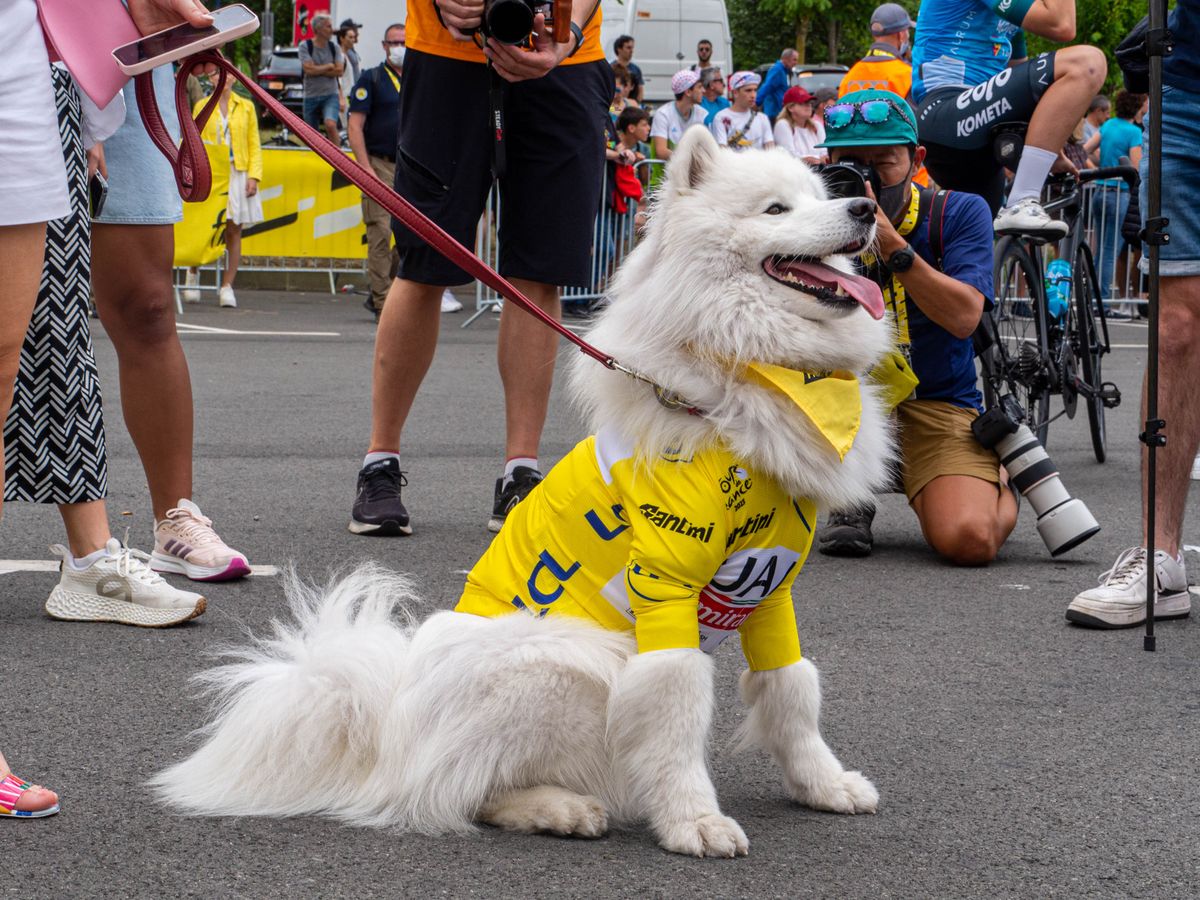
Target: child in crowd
[741,125]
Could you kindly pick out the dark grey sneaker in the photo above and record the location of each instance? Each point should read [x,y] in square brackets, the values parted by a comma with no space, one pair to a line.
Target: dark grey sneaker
[847,533]
[378,509]
[524,480]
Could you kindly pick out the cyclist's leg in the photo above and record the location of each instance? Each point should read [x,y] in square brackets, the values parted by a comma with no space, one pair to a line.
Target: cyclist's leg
[1062,83]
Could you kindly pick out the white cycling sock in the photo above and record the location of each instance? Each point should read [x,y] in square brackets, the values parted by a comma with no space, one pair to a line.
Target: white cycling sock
[526,461]
[1031,173]
[378,455]
[84,562]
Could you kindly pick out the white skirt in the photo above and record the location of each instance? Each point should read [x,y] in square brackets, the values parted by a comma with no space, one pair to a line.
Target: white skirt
[242,210]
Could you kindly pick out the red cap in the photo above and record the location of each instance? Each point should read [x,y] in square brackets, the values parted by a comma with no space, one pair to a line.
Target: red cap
[797,94]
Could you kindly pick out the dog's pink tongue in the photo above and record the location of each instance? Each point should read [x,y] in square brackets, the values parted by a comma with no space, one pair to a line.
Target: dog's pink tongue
[863,290]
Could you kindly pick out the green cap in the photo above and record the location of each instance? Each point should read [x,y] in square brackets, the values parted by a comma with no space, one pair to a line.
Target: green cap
[900,127]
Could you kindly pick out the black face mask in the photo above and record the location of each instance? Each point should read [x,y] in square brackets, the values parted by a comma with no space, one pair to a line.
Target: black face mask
[894,199]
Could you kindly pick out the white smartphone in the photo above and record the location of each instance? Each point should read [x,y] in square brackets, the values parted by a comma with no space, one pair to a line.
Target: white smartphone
[229,23]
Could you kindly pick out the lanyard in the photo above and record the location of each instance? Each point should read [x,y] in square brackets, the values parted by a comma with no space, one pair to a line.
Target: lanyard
[894,296]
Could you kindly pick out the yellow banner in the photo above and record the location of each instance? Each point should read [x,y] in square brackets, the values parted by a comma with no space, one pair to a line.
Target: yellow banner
[311,211]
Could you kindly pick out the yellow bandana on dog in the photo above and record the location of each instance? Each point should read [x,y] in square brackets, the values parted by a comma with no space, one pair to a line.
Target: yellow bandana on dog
[832,400]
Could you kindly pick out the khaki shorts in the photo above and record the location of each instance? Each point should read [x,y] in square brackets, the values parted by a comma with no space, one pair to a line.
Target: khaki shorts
[936,440]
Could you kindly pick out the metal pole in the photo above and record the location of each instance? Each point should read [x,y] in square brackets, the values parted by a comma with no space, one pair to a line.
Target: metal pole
[1155,236]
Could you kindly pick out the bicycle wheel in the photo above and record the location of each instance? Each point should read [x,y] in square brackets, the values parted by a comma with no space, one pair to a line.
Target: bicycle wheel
[1090,345]
[1021,343]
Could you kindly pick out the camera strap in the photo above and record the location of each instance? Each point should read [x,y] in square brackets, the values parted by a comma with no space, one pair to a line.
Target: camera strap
[193,177]
[496,91]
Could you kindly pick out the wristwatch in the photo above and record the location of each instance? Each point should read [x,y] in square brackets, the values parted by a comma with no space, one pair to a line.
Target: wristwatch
[902,260]
[578,32]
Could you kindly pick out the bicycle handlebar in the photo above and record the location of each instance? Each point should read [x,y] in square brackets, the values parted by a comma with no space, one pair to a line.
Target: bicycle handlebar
[1128,173]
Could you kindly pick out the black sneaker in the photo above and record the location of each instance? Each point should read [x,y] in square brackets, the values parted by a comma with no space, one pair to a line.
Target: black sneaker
[524,480]
[377,507]
[847,533]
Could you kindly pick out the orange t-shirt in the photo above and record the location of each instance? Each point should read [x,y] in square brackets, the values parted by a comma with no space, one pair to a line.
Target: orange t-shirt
[880,69]
[425,32]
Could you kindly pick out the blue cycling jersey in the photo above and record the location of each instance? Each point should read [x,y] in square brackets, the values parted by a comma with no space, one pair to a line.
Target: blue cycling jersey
[962,43]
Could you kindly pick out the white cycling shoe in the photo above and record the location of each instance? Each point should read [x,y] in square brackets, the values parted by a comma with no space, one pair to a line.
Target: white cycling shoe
[1028,217]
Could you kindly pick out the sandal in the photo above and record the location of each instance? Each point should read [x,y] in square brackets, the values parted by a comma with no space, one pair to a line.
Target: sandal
[11,789]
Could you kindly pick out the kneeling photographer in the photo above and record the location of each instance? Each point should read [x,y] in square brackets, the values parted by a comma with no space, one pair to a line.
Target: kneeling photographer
[492,93]
[933,260]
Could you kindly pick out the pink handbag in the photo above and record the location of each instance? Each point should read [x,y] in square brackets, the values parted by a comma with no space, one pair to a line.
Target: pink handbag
[83,35]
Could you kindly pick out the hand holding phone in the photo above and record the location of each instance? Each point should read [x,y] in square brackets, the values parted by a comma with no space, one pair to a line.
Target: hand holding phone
[154,50]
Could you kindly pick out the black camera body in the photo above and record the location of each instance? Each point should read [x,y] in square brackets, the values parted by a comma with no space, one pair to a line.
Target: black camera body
[997,423]
[511,21]
[849,178]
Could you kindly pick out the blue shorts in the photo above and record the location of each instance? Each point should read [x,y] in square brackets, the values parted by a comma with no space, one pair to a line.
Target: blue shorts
[1180,166]
[141,183]
[318,109]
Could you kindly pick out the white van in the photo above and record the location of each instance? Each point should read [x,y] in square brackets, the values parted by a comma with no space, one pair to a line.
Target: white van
[666,33]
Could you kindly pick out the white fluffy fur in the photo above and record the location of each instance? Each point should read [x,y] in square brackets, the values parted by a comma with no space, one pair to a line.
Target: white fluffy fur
[355,711]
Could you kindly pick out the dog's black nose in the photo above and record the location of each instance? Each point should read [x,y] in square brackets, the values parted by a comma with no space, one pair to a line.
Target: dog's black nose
[862,209]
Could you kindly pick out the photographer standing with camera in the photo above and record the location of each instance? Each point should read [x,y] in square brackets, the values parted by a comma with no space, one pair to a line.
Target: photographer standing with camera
[552,99]
[933,259]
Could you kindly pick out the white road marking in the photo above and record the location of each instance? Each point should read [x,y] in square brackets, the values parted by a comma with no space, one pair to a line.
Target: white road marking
[208,329]
[8,566]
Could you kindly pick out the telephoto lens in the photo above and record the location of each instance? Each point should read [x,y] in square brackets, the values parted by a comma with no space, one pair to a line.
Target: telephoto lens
[1064,522]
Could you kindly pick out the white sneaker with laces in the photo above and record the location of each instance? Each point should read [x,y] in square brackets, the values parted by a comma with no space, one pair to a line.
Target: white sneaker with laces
[186,544]
[119,587]
[450,302]
[226,298]
[1120,600]
[191,281]
[1028,217]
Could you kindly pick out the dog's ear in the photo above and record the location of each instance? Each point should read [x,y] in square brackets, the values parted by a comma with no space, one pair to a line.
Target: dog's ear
[693,159]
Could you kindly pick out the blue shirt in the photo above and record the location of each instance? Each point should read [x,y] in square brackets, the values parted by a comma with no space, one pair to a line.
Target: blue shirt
[377,95]
[712,107]
[962,43]
[771,91]
[1117,138]
[945,363]
[1182,68]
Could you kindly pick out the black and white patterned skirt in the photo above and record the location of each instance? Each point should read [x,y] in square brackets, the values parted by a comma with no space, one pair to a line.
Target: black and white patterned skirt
[54,437]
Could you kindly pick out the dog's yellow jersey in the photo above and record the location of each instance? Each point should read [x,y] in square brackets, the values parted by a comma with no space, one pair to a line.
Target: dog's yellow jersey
[683,552]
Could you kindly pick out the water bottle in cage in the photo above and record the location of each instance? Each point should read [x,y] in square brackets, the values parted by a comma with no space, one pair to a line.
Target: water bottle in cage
[1058,288]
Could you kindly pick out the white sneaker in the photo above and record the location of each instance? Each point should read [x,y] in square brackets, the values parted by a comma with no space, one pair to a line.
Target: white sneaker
[226,298]
[190,281]
[186,544]
[119,587]
[1196,468]
[1028,217]
[450,302]
[1120,600]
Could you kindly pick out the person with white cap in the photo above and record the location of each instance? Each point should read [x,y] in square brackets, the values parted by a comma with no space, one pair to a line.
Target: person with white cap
[884,67]
[673,119]
[742,126]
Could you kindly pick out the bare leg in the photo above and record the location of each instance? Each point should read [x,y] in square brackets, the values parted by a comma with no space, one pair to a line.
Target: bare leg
[331,130]
[1079,74]
[233,252]
[526,353]
[1179,329]
[131,275]
[404,347]
[965,519]
[87,526]
[22,249]
[37,797]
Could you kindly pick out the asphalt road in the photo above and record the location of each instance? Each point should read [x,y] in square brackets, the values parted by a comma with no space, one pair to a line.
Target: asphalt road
[1016,756]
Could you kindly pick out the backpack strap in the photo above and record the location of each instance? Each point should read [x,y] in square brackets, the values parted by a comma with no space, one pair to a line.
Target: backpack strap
[937,223]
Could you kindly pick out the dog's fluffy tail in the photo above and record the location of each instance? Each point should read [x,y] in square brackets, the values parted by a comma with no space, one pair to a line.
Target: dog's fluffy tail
[297,715]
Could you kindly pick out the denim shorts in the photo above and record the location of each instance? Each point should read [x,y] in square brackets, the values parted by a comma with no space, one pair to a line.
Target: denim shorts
[1181,167]
[141,183]
[318,109]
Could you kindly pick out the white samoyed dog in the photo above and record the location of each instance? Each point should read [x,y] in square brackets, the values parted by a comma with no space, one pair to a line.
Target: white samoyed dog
[553,724]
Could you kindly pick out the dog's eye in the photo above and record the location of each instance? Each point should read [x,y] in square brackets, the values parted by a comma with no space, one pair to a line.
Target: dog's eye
[776,209]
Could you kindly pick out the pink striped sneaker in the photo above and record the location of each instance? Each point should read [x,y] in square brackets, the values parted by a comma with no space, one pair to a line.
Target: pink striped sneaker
[185,544]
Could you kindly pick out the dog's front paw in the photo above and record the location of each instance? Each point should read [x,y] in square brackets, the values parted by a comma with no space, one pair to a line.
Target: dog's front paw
[711,835]
[846,792]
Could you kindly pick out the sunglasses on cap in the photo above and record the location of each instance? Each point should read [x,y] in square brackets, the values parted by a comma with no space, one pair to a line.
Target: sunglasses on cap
[872,112]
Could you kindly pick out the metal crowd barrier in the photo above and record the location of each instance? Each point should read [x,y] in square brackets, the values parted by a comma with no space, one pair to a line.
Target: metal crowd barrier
[1121,284]
[614,235]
